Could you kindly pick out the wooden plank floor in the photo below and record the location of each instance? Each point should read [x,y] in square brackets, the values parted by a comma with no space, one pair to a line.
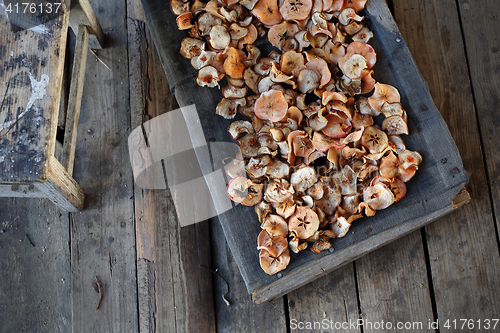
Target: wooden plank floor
[156,276]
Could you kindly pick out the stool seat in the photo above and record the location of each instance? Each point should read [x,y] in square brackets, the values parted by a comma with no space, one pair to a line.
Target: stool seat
[31,75]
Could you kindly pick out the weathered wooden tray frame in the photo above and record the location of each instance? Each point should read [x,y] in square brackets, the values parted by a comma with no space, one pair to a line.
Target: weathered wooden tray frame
[437,189]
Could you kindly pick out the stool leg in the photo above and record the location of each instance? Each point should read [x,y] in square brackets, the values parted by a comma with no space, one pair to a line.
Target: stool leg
[75,97]
[61,188]
[82,13]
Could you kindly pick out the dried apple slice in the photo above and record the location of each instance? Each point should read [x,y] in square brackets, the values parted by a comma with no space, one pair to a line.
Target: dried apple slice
[383,93]
[286,208]
[279,33]
[275,225]
[322,142]
[307,79]
[353,66]
[274,244]
[296,10]
[267,12]
[321,67]
[272,265]
[227,108]
[208,77]
[374,139]
[291,60]
[330,200]
[278,190]
[378,196]
[262,209]
[346,180]
[304,222]
[242,190]
[233,65]
[249,145]
[395,125]
[239,127]
[191,47]
[340,227]
[362,49]
[357,5]
[337,126]
[271,105]
[303,178]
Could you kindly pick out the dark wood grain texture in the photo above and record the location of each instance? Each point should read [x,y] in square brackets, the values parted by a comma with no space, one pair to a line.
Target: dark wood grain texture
[393,285]
[482,48]
[103,235]
[35,292]
[180,298]
[331,299]
[463,249]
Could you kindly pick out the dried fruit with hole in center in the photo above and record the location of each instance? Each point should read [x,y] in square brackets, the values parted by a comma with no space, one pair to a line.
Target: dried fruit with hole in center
[242,190]
[272,265]
[374,139]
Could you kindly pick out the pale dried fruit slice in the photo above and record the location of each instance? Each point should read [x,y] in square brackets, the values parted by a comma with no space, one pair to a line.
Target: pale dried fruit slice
[374,139]
[272,265]
[277,76]
[204,59]
[334,51]
[264,66]
[277,169]
[233,65]
[219,37]
[389,166]
[296,10]
[239,127]
[236,31]
[262,209]
[409,159]
[191,47]
[249,145]
[279,33]
[302,146]
[307,79]
[250,38]
[179,7]
[322,142]
[233,92]
[397,187]
[303,178]
[365,108]
[367,81]
[286,208]
[392,109]
[346,180]
[267,12]
[316,191]
[330,200]
[395,125]
[347,15]
[291,60]
[242,190]
[353,28]
[396,143]
[275,225]
[378,196]
[340,227]
[257,167]
[321,67]
[236,168]
[304,222]
[227,108]
[330,96]
[357,5]
[294,113]
[275,245]
[360,121]
[206,21]
[337,126]
[208,77]
[279,190]
[383,93]
[251,79]
[364,35]
[353,66]
[406,174]
[363,49]
[185,21]
[271,105]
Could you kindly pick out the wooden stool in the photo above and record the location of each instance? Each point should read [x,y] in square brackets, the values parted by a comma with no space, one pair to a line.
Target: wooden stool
[31,73]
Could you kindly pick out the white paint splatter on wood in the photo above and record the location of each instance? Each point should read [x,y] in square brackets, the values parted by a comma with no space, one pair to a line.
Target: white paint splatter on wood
[37,92]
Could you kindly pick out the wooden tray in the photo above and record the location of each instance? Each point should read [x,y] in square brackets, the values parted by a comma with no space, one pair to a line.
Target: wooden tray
[431,193]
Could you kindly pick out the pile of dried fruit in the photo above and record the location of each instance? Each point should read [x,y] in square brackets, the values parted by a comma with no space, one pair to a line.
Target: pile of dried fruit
[312,158]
